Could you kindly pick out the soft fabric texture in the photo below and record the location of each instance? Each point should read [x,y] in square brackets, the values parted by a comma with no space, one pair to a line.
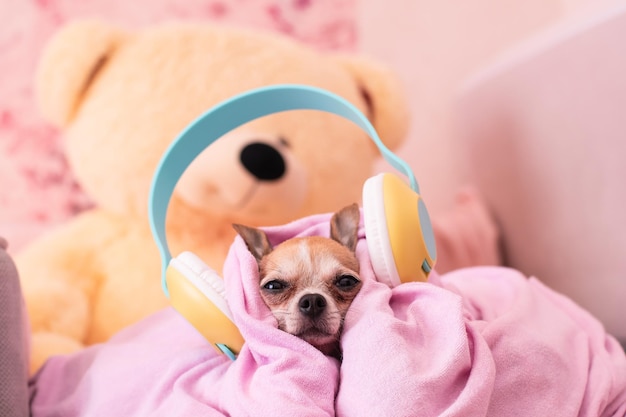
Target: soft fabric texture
[13,341]
[478,341]
[466,234]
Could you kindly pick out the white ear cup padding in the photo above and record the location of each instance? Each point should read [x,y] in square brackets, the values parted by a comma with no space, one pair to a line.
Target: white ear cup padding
[376,233]
[205,279]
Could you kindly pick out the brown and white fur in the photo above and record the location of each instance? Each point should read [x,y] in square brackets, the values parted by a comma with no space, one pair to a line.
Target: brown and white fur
[309,282]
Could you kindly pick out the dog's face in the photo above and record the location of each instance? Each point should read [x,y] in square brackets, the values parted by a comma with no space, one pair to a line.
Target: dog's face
[308,283]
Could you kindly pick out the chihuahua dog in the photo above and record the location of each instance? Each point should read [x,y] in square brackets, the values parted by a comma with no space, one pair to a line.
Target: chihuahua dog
[308,283]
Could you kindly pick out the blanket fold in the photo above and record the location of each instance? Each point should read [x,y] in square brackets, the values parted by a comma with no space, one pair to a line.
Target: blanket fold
[474,342]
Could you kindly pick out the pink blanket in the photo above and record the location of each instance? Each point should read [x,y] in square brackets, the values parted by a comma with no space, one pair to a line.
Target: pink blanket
[481,341]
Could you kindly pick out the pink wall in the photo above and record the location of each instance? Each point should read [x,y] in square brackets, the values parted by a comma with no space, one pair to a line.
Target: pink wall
[526,100]
[543,134]
[435,45]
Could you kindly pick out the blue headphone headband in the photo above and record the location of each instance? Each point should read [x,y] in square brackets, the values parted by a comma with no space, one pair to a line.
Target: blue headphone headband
[231,114]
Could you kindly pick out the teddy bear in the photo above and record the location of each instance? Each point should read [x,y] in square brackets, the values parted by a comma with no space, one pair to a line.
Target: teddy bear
[121,97]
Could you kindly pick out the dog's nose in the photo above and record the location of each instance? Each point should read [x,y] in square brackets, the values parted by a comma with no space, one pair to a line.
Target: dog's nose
[312,305]
[263,161]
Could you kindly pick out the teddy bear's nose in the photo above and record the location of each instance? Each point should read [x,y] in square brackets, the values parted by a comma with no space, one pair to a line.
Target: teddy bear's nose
[263,161]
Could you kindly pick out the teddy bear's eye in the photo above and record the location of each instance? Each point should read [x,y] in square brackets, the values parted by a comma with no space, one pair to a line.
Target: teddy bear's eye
[283,142]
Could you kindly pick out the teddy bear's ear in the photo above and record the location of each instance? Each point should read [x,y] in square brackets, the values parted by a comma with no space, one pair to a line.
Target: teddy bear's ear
[383,93]
[69,64]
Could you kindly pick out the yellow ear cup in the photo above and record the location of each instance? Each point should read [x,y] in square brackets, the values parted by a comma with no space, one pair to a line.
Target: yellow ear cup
[199,298]
[398,230]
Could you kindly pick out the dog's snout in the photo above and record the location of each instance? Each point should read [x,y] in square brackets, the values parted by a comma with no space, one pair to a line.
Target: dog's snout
[312,305]
[263,161]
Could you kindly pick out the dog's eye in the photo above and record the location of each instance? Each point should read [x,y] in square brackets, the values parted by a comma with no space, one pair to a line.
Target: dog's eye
[346,282]
[275,286]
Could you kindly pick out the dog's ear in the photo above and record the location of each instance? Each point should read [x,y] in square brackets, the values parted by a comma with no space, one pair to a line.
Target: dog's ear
[344,226]
[256,240]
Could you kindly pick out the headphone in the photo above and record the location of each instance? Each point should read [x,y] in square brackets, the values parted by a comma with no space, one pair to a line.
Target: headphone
[400,238]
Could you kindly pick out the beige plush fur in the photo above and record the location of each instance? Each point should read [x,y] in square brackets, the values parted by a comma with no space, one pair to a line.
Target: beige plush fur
[121,98]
